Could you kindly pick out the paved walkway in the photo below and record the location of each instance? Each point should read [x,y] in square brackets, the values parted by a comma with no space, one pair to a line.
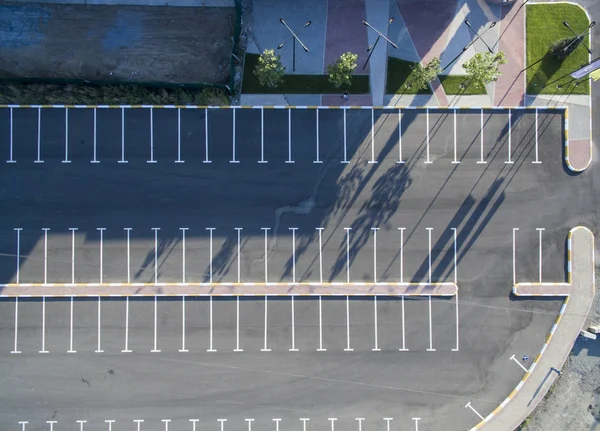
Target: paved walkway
[580,291]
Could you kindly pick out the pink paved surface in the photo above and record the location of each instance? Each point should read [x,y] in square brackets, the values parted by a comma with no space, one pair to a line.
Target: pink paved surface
[510,87]
[346,32]
[357,100]
[580,153]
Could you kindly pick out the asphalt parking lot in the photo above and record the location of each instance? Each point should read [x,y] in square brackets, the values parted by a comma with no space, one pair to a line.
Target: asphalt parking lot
[277,195]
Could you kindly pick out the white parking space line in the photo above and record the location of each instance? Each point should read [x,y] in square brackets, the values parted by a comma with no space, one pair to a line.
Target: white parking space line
[347,229]
[101,230]
[455,159]
[51,423]
[321,349]
[481,161]
[332,420]
[540,230]
[376,348]
[193,421]
[265,348]
[44,326]
[166,422]
[387,421]
[293,229]
[138,421]
[289,160]
[183,349]
[427,160]
[317,117]
[360,420]
[345,141]
[109,422]
[429,229]
[39,137]
[514,257]
[249,423]
[99,349]
[73,230]
[468,405]
[155,349]
[16,349]
[509,160]
[276,420]
[71,350]
[266,230]
[400,160]
[372,137]
[304,420]
[18,230]
[156,229]
[151,137]
[206,160]
[10,139]
[183,229]
[537,158]
[179,137]
[348,349]
[233,160]
[237,331]
[403,349]
[375,229]
[222,421]
[262,136]
[210,339]
[239,253]
[431,349]
[45,229]
[417,423]
[128,234]
[457,326]
[23,423]
[293,348]
[320,230]
[122,137]
[401,229]
[95,160]
[126,349]
[66,160]
[210,233]
[80,422]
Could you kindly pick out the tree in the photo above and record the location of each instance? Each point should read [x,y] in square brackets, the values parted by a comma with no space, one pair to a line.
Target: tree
[483,67]
[269,69]
[421,76]
[341,71]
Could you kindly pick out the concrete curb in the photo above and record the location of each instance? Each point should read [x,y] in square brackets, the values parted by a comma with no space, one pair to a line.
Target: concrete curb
[495,108]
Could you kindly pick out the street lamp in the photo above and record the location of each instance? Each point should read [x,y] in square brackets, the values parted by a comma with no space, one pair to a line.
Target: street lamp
[467,46]
[294,38]
[578,37]
[380,35]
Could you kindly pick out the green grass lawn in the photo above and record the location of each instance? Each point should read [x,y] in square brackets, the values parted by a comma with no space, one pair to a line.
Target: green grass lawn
[299,84]
[398,73]
[544,27]
[451,84]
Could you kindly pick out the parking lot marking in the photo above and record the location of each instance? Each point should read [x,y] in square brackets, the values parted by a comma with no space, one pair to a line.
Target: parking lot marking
[387,421]
[293,229]
[359,423]
[266,229]
[262,136]
[429,229]
[122,137]
[210,232]
[80,422]
[293,349]
[237,332]
[289,160]
[431,349]
[317,116]
[401,229]
[265,349]
[455,257]
[51,424]
[474,411]
[427,138]
[95,160]
[206,160]
[126,349]
[16,350]
[66,160]
[417,423]
[179,137]
[233,160]
[481,161]
[345,141]
[403,349]
[304,420]
[18,230]
[320,229]
[71,331]
[43,325]
[210,341]
[239,254]
[128,232]
[193,421]
[348,349]
[156,229]
[183,349]
[222,421]
[540,230]
[39,137]
[321,349]
[537,158]
[109,422]
[375,229]
[514,257]
[99,349]
[376,348]
[10,140]
[332,420]
[166,421]
[454,120]
[372,136]
[45,229]
[400,137]
[23,423]
[347,229]
[73,229]
[155,350]
[457,326]
[138,421]
[249,423]
[276,420]
[101,230]
[509,161]
[151,136]
[513,358]
[183,229]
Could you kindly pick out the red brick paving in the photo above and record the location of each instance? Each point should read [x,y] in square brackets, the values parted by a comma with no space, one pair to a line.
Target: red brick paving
[580,153]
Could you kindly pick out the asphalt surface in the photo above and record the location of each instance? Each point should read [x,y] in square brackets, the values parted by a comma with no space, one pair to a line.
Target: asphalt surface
[483,201]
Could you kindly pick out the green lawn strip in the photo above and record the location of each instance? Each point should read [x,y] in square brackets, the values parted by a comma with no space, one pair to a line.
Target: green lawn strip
[299,84]
[451,84]
[545,27]
[398,73]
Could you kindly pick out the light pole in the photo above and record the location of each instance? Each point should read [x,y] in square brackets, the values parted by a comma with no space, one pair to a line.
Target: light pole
[578,37]
[380,35]
[492,24]
[294,38]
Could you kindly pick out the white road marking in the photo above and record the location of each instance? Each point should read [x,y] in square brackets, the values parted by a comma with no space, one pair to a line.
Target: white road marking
[155,349]
[457,326]
[222,421]
[359,423]
[51,424]
[126,349]
[73,229]
[266,229]
[417,423]
[166,421]
[16,350]
[289,160]
[429,229]
[43,325]
[400,137]
[332,420]
[206,136]
[99,349]
[10,150]
[375,229]
[372,137]
[320,349]
[293,229]
[18,230]
[540,230]
[39,137]
[101,230]
[293,349]
[122,137]
[514,255]
[237,333]
[387,420]
[454,120]
[455,257]
[66,160]
[348,349]
[95,160]
[23,423]
[376,348]
[156,229]
[277,420]
[474,411]
[71,331]
[262,136]
[317,116]
[233,160]
[210,230]
[183,229]
[320,229]
[179,137]
[512,358]
[249,423]
[80,422]
[509,137]
[138,421]
[431,349]
[345,141]
[46,229]
[183,349]
[265,349]
[427,138]
[110,422]
[128,231]
[347,229]
[537,158]
[151,137]
[403,349]
[304,420]
[239,254]
[401,229]
[210,345]
[481,161]
[193,421]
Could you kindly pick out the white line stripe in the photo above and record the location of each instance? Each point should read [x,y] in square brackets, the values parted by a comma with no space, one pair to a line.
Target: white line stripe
[481,161]
[18,230]
[429,229]
[509,137]
[457,325]
[403,349]
[206,136]
[43,325]
[179,137]
[16,350]
[155,350]
[345,141]
[372,136]
[427,160]
[376,348]
[320,349]
[293,349]
[101,230]
[99,349]
[210,346]
[431,349]
[71,331]
[289,160]
[128,231]
[233,160]
[320,230]
[66,160]
[183,349]
[347,229]
[122,136]
[348,349]
[45,254]
[237,333]
[455,157]
[375,229]
[317,118]
[10,158]
[266,349]
[39,137]
[126,350]
[400,137]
